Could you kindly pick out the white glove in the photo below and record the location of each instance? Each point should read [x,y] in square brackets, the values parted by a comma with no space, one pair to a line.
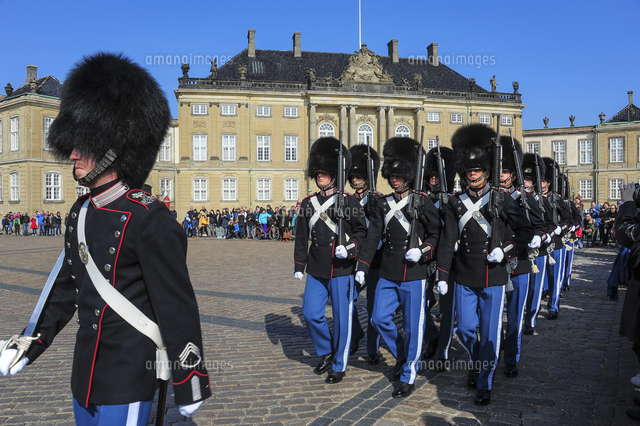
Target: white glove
[547,240]
[535,242]
[455,248]
[496,255]
[298,275]
[413,255]
[341,252]
[189,410]
[360,277]
[442,287]
[379,245]
[573,228]
[7,358]
[558,230]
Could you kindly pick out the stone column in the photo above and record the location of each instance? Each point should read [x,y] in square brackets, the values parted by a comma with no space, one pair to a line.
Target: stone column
[381,129]
[312,123]
[343,121]
[391,122]
[418,112]
[353,134]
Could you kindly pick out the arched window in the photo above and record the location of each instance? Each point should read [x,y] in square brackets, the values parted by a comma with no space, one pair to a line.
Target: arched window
[365,134]
[402,131]
[326,130]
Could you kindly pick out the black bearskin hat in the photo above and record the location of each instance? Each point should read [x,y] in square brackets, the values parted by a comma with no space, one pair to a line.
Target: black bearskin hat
[400,158]
[472,145]
[323,156]
[508,162]
[550,164]
[110,103]
[449,157]
[359,162]
[529,166]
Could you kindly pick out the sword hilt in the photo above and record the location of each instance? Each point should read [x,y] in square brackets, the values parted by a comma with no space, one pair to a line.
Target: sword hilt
[22,343]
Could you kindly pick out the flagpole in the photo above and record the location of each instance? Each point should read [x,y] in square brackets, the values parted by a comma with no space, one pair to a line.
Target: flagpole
[359,24]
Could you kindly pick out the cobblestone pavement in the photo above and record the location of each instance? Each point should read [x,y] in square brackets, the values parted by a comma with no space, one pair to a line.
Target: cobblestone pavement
[575,370]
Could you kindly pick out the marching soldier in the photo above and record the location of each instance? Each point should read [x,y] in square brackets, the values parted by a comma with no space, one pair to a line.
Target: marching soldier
[403,270]
[124,261]
[576,217]
[329,266]
[517,293]
[368,198]
[438,341]
[561,216]
[537,280]
[481,272]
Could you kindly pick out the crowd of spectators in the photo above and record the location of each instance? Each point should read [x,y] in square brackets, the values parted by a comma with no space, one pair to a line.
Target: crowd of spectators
[240,222]
[40,223]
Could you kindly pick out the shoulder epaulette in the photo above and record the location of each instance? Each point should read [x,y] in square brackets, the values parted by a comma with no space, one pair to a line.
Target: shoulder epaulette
[309,196]
[141,197]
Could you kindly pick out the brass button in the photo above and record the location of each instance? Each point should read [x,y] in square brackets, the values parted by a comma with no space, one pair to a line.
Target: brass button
[69,261]
[71,229]
[107,267]
[74,215]
[68,244]
[123,218]
[76,305]
[117,234]
[404,247]
[484,251]
[73,277]
[78,320]
[95,326]
[467,250]
[112,250]
[77,291]
[97,312]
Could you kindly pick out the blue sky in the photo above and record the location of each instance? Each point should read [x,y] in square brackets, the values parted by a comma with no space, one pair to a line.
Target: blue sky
[570,58]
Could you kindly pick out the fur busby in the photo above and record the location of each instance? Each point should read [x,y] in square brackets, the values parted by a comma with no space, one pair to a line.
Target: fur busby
[359,161]
[449,157]
[323,156]
[529,166]
[109,102]
[550,163]
[472,145]
[508,162]
[400,158]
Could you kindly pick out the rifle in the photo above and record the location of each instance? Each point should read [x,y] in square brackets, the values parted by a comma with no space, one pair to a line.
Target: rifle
[495,201]
[539,186]
[415,202]
[340,201]
[371,181]
[443,196]
[519,177]
[553,198]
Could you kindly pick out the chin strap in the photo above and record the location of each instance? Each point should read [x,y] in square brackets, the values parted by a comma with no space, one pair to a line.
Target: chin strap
[504,182]
[480,177]
[106,161]
[402,188]
[327,186]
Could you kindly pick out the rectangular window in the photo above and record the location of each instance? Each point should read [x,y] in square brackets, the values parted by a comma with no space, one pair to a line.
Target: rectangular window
[290,111]
[533,148]
[199,109]
[229,189]
[433,117]
[616,150]
[431,143]
[586,152]
[485,119]
[166,188]
[586,189]
[199,147]
[52,186]
[165,149]
[264,189]
[614,189]
[228,147]
[560,152]
[264,148]
[291,189]
[290,148]
[507,120]
[14,134]
[456,118]
[228,110]
[1,141]
[47,124]
[14,188]
[200,192]
[0,186]
[263,111]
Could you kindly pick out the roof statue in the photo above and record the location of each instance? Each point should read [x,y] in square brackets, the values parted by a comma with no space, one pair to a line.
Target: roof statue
[365,66]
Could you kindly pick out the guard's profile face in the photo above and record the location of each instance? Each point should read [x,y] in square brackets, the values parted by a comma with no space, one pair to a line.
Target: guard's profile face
[396,181]
[357,180]
[323,179]
[434,180]
[82,164]
[475,178]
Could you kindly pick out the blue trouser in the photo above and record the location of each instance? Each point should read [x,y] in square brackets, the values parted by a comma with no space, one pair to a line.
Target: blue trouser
[446,304]
[566,282]
[134,414]
[480,307]
[41,228]
[411,296]
[25,229]
[515,311]
[373,337]
[316,294]
[554,277]
[534,295]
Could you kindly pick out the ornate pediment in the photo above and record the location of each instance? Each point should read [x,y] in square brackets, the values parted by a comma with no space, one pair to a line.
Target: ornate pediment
[326,117]
[365,118]
[365,66]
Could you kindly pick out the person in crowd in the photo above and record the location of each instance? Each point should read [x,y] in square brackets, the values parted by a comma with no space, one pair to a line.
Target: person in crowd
[226,218]
[34,226]
[241,220]
[211,216]
[58,224]
[609,221]
[589,230]
[263,220]
[25,220]
[16,223]
[186,225]
[251,222]
[203,222]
